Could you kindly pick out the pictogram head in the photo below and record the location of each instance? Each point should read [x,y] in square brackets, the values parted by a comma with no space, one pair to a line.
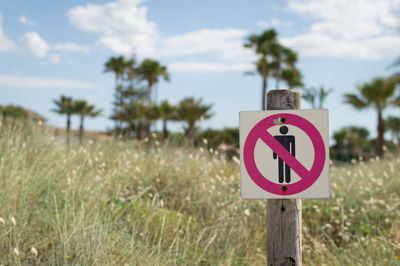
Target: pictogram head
[284,130]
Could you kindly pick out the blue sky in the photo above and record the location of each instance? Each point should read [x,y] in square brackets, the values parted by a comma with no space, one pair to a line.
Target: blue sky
[49,48]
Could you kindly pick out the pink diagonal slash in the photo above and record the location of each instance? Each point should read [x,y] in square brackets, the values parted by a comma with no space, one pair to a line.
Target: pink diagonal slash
[285,155]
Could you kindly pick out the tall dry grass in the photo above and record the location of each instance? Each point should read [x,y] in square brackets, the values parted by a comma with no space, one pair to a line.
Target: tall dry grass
[117,203]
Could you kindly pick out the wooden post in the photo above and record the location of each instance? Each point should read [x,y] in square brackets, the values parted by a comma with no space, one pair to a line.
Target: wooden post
[284,215]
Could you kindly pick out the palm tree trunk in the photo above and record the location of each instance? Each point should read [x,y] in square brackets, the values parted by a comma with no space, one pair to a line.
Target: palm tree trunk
[150,86]
[81,129]
[381,131]
[190,133]
[68,127]
[131,126]
[165,130]
[116,91]
[264,91]
[277,75]
[139,130]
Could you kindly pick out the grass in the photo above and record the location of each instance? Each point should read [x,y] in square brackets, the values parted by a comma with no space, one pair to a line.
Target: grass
[116,203]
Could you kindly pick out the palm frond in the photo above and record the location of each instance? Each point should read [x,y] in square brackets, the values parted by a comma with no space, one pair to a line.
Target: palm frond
[355,101]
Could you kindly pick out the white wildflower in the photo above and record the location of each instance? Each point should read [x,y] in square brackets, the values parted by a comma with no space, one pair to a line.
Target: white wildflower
[328,226]
[13,221]
[2,220]
[16,251]
[236,160]
[205,141]
[34,251]
[247,212]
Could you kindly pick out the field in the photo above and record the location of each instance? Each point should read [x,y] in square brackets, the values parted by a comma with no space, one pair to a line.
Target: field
[128,203]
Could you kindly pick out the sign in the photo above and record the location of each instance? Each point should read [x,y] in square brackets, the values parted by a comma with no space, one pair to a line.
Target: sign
[284,154]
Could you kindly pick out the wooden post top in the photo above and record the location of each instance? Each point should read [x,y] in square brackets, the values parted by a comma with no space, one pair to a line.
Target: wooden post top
[283,99]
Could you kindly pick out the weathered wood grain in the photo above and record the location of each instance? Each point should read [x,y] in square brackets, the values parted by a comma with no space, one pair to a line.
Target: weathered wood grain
[284,215]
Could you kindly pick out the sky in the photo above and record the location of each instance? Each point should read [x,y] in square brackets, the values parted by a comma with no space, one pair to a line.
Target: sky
[49,48]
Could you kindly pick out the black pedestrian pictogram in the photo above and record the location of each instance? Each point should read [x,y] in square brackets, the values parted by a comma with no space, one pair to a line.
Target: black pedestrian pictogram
[287,141]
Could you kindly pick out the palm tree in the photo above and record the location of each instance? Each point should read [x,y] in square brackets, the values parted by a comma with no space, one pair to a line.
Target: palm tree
[150,70]
[316,97]
[393,125]
[134,114]
[277,52]
[151,114]
[322,94]
[117,65]
[292,78]
[190,111]
[378,94]
[262,45]
[167,112]
[131,70]
[83,109]
[283,59]
[64,106]
[310,96]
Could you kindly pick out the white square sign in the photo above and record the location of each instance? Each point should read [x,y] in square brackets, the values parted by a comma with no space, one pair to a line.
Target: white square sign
[284,154]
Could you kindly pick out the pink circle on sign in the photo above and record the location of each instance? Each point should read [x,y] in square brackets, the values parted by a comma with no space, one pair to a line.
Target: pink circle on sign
[259,131]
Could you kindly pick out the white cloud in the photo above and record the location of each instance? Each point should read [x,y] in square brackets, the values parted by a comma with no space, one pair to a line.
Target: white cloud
[54,58]
[363,29]
[42,83]
[5,43]
[208,66]
[122,26]
[34,45]
[24,20]
[227,43]
[71,47]
[274,23]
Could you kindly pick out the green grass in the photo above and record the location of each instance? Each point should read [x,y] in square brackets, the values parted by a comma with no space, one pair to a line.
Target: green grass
[116,203]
